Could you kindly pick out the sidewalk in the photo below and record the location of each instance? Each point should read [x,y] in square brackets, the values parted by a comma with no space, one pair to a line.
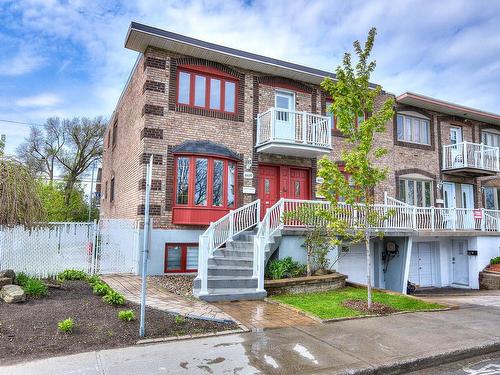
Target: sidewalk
[376,345]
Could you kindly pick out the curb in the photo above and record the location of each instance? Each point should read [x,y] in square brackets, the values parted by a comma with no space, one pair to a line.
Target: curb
[419,363]
[188,337]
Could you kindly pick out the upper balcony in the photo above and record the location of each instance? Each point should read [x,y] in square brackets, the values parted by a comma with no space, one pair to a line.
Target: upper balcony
[470,159]
[293,133]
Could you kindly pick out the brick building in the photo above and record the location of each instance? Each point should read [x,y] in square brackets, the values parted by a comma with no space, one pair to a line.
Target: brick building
[226,127]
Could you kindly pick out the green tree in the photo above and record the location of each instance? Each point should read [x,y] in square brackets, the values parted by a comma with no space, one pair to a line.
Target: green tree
[53,198]
[353,98]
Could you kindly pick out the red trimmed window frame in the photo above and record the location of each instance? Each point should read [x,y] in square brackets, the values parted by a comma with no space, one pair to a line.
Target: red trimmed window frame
[209,73]
[328,102]
[183,268]
[192,214]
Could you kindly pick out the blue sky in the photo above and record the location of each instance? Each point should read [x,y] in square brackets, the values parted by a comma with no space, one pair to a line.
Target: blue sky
[66,58]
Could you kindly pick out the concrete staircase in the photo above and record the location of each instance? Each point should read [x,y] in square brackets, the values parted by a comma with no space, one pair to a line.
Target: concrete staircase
[230,272]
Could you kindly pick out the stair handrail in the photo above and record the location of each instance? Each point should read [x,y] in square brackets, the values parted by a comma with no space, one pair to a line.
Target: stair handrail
[271,222]
[222,231]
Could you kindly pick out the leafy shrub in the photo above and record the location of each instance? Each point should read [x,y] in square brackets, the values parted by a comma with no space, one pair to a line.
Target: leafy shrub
[113,298]
[72,275]
[126,315]
[101,289]
[495,260]
[284,268]
[179,319]
[34,287]
[94,279]
[21,279]
[66,325]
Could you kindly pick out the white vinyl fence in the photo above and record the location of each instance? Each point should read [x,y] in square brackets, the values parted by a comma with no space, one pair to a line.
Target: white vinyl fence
[109,246]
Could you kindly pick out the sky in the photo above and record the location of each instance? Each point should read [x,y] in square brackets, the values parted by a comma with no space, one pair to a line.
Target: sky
[67,58]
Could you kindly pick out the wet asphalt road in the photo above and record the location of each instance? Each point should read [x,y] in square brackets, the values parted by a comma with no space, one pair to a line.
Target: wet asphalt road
[483,365]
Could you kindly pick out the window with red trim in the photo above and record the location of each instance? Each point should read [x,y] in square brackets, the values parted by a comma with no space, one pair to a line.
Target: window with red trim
[329,102]
[205,181]
[181,257]
[206,88]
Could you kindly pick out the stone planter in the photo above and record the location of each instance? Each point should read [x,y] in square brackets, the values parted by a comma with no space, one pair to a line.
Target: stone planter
[489,280]
[305,284]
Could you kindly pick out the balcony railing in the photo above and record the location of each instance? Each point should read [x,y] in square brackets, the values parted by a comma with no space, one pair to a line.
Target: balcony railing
[471,156]
[294,129]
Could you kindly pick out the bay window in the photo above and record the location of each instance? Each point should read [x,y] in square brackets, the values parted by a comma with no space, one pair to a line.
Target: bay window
[416,192]
[206,89]
[413,129]
[205,187]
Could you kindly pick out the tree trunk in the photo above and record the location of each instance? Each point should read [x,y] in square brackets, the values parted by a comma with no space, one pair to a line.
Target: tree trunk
[309,250]
[368,270]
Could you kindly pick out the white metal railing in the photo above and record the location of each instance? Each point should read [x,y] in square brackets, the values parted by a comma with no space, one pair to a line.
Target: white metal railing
[271,222]
[222,231]
[471,155]
[294,127]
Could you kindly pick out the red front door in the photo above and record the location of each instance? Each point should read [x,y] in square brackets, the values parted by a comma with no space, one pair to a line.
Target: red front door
[277,182]
[268,187]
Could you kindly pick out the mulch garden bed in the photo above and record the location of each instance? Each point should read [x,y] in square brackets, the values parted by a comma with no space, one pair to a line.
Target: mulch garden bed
[29,331]
[362,306]
[181,285]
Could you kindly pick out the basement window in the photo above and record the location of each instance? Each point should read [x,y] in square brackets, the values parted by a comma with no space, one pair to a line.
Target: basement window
[181,257]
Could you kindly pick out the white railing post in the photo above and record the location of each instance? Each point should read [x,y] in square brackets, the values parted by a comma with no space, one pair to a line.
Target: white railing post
[203,264]
[414,217]
[94,249]
[444,157]
[272,122]
[482,155]
[257,217]
[304,127]
[453,213]
[483,220]
[497,159]
[466,163]
[231,225]
[433,218]
[262,260]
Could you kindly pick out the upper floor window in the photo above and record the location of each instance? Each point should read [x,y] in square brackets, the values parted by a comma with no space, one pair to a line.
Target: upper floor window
[413,129]
[203,181]
[491,198]
[358,120]
[416,192]
[206,90]
[490,139]
[115,132]
[112,190]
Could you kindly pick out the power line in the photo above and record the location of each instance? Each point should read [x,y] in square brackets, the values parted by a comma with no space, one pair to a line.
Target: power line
[21,122]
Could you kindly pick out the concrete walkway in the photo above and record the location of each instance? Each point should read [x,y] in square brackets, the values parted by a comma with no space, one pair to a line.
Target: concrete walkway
[161,299]
[392,344]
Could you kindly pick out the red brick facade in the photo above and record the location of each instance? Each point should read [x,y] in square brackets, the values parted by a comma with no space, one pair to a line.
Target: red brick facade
[150,122]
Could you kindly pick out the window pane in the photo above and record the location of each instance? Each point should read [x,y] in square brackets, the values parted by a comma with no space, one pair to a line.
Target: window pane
[174,254]
[192,258]
[214,94]
[330,114]
[182,180]
[231,169]
[217,183]
[407,129]
[400,127]
[489,197]
[416,130]
[424,132]
[411,192]
[200,184]
[420,200]
[402,190]
[199,91]
[498,199]
[184,83]
[428,194]
[230,96]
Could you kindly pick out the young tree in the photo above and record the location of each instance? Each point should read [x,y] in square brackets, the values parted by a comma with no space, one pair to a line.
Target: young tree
[2,144]
[354,98]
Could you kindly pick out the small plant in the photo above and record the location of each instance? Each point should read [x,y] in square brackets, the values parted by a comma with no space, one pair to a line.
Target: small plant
[21,279]
[495,260]
[66,325]
[101,289]
[35,288]
[114,298]
[284,268]
[72,275]
[179,319]
[93,280]
[126,315]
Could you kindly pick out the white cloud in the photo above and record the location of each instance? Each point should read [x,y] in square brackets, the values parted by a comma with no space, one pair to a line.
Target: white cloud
[40,100]
[23,62]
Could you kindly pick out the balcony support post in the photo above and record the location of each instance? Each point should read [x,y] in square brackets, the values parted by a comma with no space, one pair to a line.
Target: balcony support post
[273,122]
[466,164]
[433,218]
[483,221]
[304,127]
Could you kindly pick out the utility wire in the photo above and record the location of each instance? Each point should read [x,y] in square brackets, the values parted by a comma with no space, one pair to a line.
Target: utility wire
[21,122]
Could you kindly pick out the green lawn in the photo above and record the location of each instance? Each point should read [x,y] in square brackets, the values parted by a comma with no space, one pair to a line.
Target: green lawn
[328,305]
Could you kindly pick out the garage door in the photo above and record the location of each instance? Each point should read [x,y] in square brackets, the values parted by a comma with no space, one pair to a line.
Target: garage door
[353,264]
[421,264]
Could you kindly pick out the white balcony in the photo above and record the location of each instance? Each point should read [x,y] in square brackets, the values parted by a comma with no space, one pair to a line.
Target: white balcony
[470,159]
[293,133]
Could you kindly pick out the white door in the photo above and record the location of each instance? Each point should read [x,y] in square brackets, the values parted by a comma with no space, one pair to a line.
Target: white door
[457,159]
[460,262]
[450,201]
[467,215]
[421,264]
[285,116]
